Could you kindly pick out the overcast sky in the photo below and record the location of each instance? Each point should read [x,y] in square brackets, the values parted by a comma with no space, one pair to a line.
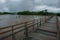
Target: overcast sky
[31,5]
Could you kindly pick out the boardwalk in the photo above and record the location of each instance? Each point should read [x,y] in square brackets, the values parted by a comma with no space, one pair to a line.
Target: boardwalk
[46,32]
[36,29]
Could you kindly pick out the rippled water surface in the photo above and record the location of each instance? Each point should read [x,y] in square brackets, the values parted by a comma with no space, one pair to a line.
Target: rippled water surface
[6,20]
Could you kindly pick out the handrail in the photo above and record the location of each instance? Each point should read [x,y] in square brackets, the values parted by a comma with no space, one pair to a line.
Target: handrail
[17,25]
[14,28]
[15,32]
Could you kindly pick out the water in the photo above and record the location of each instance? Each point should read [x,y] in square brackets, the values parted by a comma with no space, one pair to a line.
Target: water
[6,20]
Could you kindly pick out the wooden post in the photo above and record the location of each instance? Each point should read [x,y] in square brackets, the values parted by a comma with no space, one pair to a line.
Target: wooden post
[33,23]
[26,32]
[37,24]
[40,22]
[45,18]
[58,35]
[13,35]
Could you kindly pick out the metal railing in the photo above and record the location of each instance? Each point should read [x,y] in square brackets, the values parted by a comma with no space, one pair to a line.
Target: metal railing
[12,30]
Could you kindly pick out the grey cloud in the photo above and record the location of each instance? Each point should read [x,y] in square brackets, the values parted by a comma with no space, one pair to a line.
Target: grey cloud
[13,6]
[58,5]
[21,5]
[47,2]
[1,7]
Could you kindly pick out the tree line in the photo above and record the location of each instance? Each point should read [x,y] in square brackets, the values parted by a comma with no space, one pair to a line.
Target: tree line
[44,12]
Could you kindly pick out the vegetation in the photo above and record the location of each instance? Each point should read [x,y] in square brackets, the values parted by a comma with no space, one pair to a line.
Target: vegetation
[44,12]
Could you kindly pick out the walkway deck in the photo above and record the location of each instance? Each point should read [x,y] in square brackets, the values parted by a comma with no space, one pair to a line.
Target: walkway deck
[36,29]
[46,31]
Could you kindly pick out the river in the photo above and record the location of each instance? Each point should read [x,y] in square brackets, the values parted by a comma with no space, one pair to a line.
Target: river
[6,20]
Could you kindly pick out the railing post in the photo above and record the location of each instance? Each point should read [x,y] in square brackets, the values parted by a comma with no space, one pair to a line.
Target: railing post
[45,18]
[33,23]
[58,35]
[37,24]
[13,35]
[40,22]
[26,32]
